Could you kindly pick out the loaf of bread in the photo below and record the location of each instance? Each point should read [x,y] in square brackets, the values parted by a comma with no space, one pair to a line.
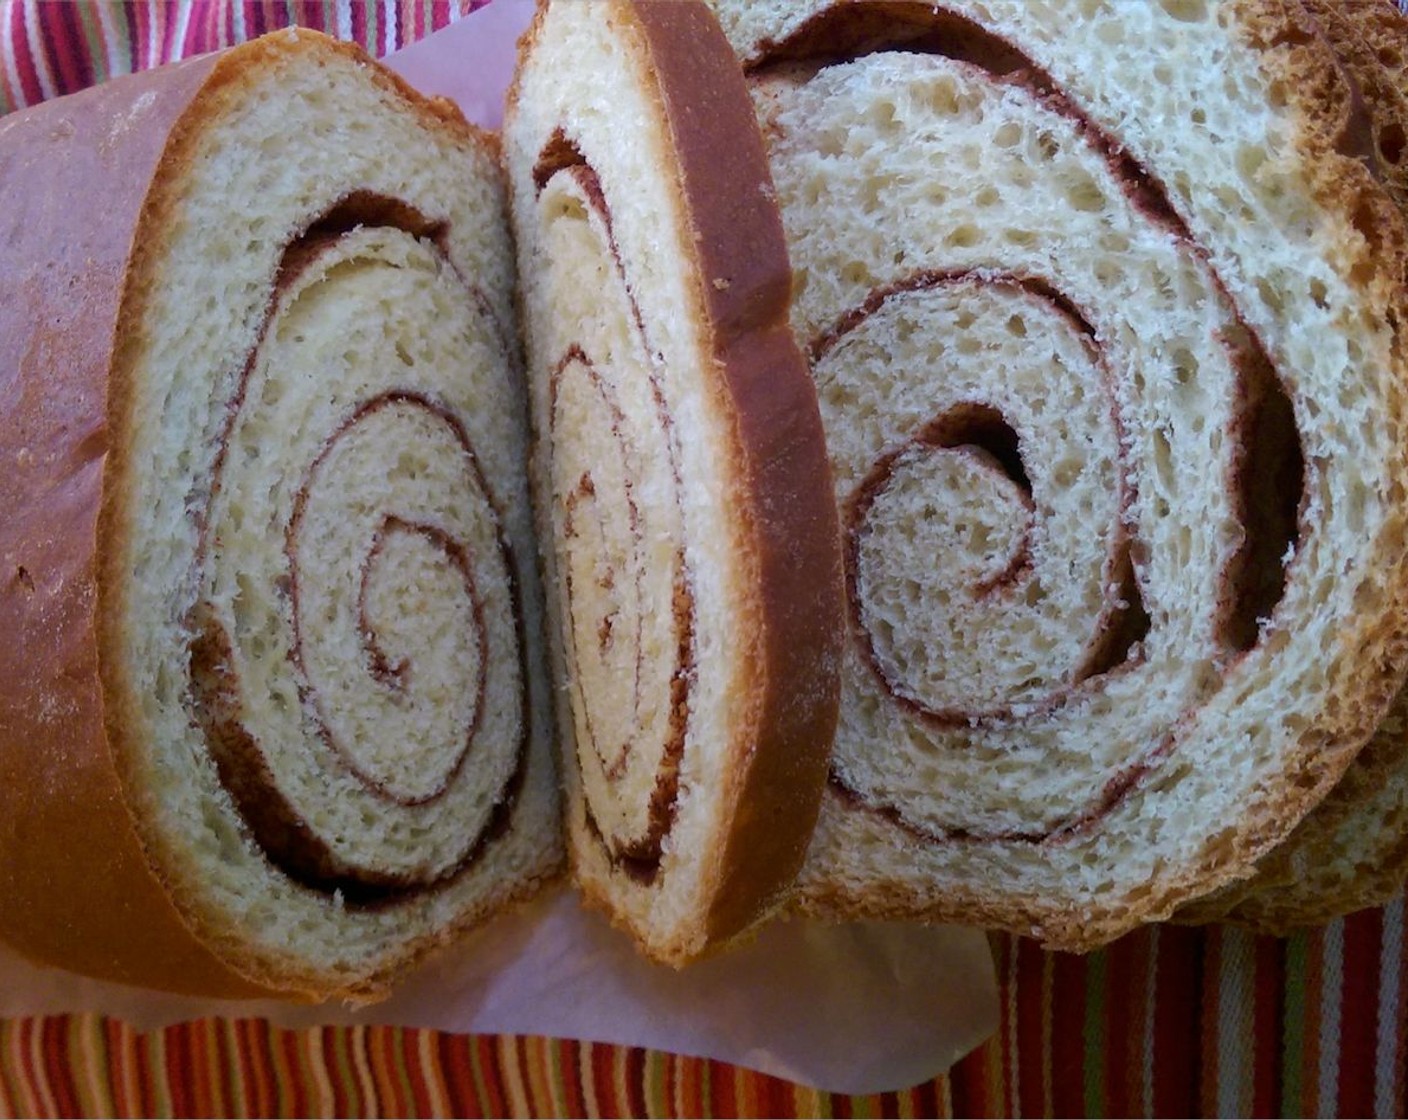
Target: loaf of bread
[273,716]
[1103,304]
[690,543]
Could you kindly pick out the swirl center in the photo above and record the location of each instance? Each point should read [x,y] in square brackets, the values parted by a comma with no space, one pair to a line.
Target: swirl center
[409,604]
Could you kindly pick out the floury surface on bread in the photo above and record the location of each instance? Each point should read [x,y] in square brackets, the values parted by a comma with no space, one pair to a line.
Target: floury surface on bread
[689,538]
[1103,306]
[273,717]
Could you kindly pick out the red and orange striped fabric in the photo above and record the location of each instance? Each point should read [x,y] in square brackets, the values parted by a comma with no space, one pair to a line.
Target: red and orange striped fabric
[1165,1022]
[51,48]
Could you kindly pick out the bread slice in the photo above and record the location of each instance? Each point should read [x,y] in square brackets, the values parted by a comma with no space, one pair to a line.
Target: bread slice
[274,718]
[690,542]
[1103,305]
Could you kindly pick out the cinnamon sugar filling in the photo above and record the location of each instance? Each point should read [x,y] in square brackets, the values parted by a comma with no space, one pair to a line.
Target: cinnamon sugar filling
[311,628]
[626,607]
[934,587]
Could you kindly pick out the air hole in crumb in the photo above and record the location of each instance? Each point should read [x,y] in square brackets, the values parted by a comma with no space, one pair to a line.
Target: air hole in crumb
[1392,142]
[1268,477]
[1186,11]
[973,424]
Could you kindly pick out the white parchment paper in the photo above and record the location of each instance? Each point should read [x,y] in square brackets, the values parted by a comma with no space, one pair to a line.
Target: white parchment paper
[858,1008]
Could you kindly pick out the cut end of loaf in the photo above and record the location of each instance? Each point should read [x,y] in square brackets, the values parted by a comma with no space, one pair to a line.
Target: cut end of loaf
[1104,349]
[693,569]
[317,615]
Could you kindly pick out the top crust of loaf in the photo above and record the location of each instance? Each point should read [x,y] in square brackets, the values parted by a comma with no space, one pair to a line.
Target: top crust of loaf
[781,520]
[78,899]
[1364,651]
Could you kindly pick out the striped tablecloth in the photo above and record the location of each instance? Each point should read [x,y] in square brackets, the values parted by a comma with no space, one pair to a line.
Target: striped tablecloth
[1167,1021]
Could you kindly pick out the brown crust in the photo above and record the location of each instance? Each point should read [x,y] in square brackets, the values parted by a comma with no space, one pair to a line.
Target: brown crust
[72,870]
[229,78]
[783,499]
[1371,41]
[785,535]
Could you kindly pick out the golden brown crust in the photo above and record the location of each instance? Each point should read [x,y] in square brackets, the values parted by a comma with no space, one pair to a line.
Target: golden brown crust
[1370,38]
[1350,853]
[72,871]
[783,498]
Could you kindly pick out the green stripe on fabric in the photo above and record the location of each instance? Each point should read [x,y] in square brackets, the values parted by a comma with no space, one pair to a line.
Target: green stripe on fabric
[653,1077]
[122,40]
[557,1076]
[93,42]
[401,1067]
[476,1069]
[151,1051]
[373,31]
[706,1088]
[811,1102]
[360,1044]
[1095,1103]
[1293,1033]
[229,1067]
[88,1041]
[346,1074]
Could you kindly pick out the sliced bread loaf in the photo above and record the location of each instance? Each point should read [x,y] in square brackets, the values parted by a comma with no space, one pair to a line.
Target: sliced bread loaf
[1103,304]
[689,537]
[273,716]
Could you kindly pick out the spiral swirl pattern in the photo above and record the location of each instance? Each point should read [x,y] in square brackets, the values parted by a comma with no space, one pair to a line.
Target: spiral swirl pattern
[617,529]
[969,353]
[1084,484]
[304,721]
[373,636]
[691,558]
